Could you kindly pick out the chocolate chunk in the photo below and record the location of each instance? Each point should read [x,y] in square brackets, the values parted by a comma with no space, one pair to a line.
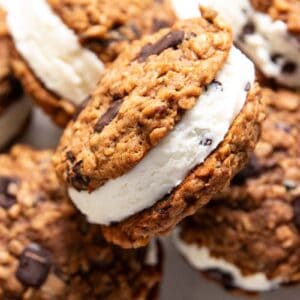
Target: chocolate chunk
[81,107]
[296,205]
[248,87]
[79,181]
[206,142]
[159,24]
[34,266]
[284,127]
[190,199]
[70,156]
[289,185]
[108,116]
[218,84]
[248,29]
[136,31]
[7,199]
[289,67]
[170,40]
[225,278]
[276,57]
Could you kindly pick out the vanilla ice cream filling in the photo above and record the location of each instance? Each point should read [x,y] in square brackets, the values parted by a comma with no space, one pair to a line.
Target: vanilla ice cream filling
[12,120]
[193,139]
[201,259]
[268,43]
[52,50]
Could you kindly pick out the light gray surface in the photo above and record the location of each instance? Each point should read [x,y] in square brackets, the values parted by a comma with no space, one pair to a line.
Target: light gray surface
[180,281]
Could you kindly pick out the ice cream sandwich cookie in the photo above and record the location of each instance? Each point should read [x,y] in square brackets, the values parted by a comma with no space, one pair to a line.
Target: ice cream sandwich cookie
[170,123]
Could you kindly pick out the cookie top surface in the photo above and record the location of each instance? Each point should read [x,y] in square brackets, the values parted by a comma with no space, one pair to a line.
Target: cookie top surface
[105,25]
[286,10]
[255,223]
[141,98]
[48,251]
[10,89]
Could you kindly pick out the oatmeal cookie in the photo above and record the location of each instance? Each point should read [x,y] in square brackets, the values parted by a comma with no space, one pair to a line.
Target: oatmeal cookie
[48,251]
[168,126]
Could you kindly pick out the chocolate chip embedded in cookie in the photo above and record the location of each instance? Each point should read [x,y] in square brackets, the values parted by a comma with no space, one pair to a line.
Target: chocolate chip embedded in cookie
[48,251]
[7,192]
[171,122]
[34,266]
[266,30]
[14,110]
[62,46]
[251,230]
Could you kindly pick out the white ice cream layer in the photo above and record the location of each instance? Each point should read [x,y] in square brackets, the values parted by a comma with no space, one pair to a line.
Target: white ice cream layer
[52,50]
[201,259]
[270,38]
[12,120]
[199,133]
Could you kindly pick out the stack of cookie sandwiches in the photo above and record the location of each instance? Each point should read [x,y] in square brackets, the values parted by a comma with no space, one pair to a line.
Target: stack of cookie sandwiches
[159,119]
[248,237]
[14,109]
[62,47]
[48,250]
[170,123]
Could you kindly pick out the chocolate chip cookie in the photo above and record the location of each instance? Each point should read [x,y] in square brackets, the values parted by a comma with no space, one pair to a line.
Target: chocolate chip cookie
[266,30]
[14,110]
[48,251]
[170,123]
[62,46]
[248,237]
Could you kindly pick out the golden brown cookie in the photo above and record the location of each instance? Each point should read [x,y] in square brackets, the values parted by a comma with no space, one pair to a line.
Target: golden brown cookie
[63,45]
[48,251]
[14,111]
[248,237]
[155,140]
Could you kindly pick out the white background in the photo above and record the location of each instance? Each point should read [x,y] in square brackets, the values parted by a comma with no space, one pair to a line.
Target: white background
[180,281]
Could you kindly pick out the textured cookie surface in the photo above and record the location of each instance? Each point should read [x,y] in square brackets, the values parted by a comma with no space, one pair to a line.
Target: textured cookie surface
[140,100]
[254,224]
[47,251]
[105,27]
